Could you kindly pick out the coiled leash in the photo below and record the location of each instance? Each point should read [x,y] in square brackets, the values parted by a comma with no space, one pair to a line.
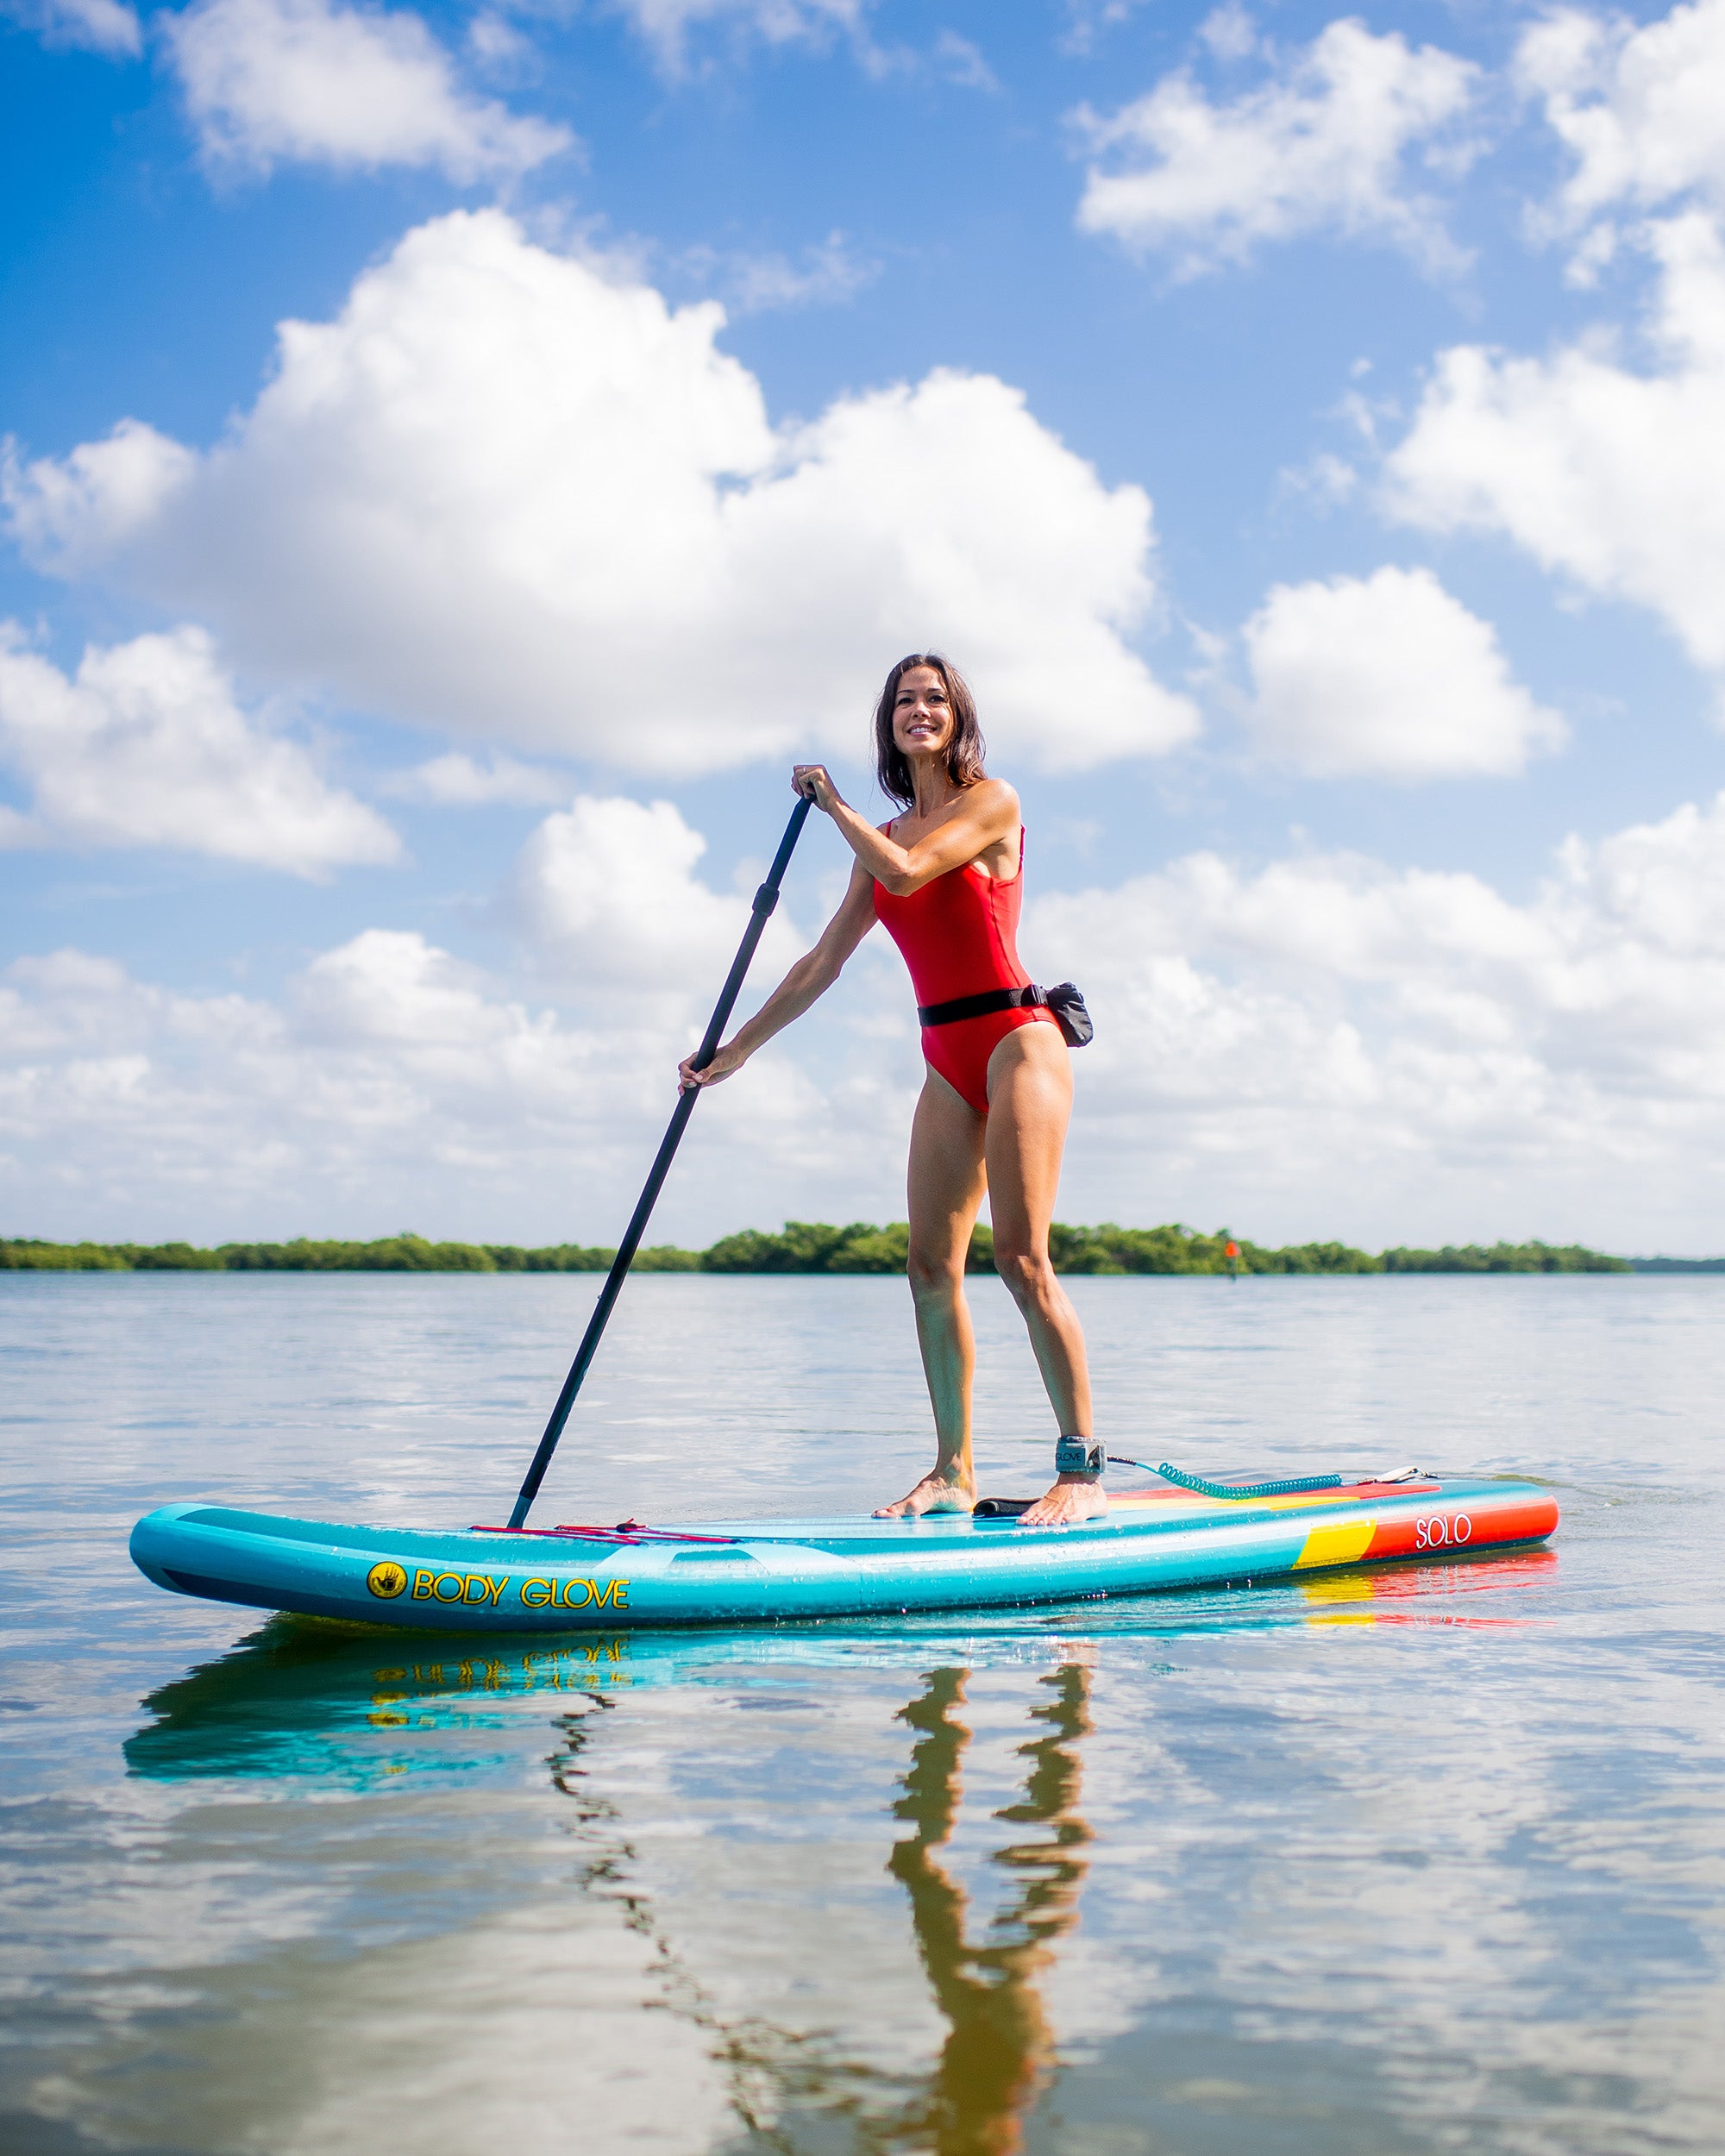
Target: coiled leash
[1073,1456]
[1293,1488]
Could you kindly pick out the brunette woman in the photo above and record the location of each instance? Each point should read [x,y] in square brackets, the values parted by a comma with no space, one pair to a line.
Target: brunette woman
[946,878]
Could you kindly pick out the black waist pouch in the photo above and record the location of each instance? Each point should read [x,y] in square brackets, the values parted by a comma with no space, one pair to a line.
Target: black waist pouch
[1064,1004]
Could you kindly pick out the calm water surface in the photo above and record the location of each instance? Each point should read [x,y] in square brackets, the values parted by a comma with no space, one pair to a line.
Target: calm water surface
[1423,1860]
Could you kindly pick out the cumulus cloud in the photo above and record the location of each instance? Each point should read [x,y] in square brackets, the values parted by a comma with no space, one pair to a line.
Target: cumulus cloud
[386,1062]
[507,496]
[145,746]
[607,894]
[1387,676]
[269,82]
[1604,459]
[92,503]
[1324,146]
[392,1081]
[456,782]
[1319,1045]
[1612,474]
[1330,1039]
[93,26]
[1637,106]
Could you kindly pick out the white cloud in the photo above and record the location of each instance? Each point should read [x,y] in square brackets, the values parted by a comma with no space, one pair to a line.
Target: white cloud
[145,746]
[1323,1045]
[822,276]
[387,1065]
[666,24]
[1387,676]
[607,892]
[957,61]
[456,782]
[389,988]
[1229,32]
[98,500]
[1324,146]
[302,81]
[1637,106]
[95,26]
[671,28]
[495,42]
[1613,476]
[1086,20]
[392,1082]
[505,496]
[1341,1048]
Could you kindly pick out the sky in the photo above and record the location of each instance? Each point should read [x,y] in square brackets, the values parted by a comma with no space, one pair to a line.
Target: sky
[456,459]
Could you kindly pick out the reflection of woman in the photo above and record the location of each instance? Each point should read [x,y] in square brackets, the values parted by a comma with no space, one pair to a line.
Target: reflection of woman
[945,876]
[1001,2046]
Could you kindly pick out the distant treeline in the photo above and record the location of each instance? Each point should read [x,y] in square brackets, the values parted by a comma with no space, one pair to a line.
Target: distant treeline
[1504,1257]
[803,1246]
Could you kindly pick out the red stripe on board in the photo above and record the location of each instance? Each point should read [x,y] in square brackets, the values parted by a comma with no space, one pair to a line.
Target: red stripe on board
[1466,1525]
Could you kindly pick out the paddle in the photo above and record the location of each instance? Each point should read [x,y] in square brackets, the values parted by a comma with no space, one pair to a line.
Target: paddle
[765,900]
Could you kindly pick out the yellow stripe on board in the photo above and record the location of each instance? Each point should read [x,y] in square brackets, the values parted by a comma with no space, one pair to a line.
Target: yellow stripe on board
[1341,1544]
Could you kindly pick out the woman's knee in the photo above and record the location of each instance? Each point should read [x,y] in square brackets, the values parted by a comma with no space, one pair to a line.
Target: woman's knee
[1028,1273]
[933,1273]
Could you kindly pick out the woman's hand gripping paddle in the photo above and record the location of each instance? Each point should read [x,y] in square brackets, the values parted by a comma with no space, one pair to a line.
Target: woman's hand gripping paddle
[765,900]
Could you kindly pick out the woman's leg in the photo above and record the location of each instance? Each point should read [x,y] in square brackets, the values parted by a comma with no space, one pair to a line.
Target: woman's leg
[947,1182]
[1029,1103]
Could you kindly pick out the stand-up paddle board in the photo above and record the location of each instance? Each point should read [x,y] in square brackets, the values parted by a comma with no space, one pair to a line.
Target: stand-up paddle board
[753,1571]
[515,1578]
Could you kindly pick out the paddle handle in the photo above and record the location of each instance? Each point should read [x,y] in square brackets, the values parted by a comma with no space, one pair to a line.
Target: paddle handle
[760,911]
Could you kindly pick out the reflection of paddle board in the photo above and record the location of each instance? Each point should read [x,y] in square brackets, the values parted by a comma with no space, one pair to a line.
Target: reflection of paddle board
[745,1572]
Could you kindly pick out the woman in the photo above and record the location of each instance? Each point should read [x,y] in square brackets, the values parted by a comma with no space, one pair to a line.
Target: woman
[946,878]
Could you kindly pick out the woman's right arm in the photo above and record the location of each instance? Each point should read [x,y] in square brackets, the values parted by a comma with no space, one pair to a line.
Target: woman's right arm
[809,979]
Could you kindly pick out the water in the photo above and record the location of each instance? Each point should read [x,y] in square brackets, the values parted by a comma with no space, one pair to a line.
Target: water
[1428,1860]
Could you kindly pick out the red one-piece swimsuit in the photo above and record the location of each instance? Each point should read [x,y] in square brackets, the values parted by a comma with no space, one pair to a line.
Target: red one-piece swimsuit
[959,936]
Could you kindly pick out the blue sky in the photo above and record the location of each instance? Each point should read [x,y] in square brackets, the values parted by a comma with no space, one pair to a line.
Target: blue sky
[1306,428]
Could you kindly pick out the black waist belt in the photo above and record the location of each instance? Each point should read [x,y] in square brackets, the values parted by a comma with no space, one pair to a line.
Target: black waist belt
[982,1007]
[1064,1002]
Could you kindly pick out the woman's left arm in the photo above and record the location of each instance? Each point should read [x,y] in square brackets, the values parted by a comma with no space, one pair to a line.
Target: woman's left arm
[988,814]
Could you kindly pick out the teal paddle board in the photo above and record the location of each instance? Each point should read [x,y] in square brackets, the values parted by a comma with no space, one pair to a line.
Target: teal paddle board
[750,1571]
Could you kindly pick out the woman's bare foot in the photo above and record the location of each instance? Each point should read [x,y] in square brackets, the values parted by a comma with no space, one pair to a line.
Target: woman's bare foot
[1073,1497]
[935,1493]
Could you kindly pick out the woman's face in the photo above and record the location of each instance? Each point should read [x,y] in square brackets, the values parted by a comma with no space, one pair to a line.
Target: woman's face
[922,717]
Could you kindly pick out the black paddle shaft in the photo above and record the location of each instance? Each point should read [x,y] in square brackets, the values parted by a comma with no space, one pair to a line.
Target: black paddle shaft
[765,900]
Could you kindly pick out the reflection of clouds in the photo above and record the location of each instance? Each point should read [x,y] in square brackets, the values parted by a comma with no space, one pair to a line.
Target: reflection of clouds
[1282,1864]
[1450,1877]
[528,2031]
[1435,1848]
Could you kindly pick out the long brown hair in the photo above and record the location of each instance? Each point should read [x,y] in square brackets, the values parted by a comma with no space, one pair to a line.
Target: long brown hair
[964,752]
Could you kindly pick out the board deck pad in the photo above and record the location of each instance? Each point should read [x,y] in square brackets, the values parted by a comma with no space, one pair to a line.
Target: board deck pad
[753,1571]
